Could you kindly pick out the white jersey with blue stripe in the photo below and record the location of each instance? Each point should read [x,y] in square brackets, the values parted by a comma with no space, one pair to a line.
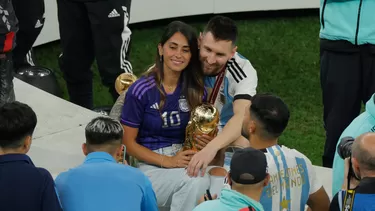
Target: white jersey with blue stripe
[292,180]
[240,82]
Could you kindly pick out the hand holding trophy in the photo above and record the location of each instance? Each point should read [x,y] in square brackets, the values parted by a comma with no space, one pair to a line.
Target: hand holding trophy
[204,120]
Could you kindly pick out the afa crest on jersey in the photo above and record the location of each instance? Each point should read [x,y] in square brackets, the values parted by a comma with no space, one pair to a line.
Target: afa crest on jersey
[184,107]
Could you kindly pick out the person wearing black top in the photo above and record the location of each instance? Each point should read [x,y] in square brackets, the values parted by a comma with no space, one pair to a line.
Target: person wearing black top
[93,29]
[22,185]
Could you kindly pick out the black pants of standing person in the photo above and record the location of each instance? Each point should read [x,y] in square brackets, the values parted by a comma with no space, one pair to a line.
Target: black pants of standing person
[21,23]
[8,30]
[92,30]
[347,80]
[30,15]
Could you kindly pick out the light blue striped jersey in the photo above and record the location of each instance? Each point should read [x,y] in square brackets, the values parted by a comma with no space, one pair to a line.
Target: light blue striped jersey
[292,180]
[240,82]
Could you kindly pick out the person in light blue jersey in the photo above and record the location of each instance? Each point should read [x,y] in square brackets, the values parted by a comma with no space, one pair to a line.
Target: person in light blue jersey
[347,70]
[232,81]
[364,123]
[293,180]
[156,112]
[101,183]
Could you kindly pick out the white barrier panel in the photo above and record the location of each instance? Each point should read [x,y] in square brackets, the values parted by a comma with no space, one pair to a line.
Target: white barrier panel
[148,10]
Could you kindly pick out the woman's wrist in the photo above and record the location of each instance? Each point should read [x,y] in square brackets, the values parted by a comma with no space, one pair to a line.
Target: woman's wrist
[165,162]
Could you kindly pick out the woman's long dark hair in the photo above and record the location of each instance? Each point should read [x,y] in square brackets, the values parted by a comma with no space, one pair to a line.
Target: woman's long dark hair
[192,75]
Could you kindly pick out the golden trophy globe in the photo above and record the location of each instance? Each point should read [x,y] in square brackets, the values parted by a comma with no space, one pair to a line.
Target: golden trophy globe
[122,84]
[124,81]
[204,119]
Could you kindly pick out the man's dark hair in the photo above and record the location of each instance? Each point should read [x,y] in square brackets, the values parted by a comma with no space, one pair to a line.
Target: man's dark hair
[17,121]
[271,112]
[222,28]
[103,130]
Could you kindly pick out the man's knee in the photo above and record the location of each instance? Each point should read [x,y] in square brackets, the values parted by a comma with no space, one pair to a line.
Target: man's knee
[197,185]
[196,181]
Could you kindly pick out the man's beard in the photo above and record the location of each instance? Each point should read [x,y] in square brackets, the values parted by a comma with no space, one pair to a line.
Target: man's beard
[245,134]
[216,70]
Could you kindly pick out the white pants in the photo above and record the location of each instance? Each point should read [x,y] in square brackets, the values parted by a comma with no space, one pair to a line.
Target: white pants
[173,187]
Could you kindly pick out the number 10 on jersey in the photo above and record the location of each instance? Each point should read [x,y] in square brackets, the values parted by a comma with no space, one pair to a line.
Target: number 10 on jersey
[171,119]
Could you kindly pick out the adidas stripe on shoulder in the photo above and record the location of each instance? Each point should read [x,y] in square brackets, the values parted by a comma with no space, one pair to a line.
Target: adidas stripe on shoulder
[235,70]
[239,68]
[142,85]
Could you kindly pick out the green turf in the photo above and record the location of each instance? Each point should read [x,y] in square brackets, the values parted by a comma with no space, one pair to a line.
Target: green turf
[284,51]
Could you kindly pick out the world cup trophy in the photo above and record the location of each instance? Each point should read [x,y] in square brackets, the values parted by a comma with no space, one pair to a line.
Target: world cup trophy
[122,84]
[204,119]
[124,81]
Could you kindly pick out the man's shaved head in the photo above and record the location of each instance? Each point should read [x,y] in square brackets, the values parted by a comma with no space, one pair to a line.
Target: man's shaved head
[363,150]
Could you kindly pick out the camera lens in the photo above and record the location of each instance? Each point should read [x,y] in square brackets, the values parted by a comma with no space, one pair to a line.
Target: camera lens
[345,147]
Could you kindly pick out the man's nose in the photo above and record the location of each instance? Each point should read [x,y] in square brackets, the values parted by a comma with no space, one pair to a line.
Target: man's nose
[211,59]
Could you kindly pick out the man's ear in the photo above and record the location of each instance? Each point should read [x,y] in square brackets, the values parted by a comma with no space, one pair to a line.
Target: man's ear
[355,166]
[84,149]
[252,127]
[27,144]
[267,180]
[229,178]
[119,151]
[234,50]
[200,39]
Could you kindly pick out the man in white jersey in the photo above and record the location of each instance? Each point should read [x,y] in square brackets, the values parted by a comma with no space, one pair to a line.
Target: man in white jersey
[293,180]
[232,81]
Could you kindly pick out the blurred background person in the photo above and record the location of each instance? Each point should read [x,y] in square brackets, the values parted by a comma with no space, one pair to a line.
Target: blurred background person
[30,15]
[8,30]
[359,195]
[101,183]
[89,30]
[21,24]
[347,70]
[361,124]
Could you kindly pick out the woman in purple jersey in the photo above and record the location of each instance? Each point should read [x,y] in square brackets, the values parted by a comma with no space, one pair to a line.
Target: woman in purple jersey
[156,112]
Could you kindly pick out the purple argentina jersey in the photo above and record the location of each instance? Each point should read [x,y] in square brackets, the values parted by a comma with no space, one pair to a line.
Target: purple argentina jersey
[141,110]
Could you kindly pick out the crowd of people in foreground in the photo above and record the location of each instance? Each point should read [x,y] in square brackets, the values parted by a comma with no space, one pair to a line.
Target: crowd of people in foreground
[189,70]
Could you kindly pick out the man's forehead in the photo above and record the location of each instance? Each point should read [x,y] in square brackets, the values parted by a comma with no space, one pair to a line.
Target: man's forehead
[218,46]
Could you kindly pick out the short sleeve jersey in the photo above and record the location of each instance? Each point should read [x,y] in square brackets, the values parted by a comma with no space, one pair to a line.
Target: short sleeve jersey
[157,128]
[292,179]
[240,82]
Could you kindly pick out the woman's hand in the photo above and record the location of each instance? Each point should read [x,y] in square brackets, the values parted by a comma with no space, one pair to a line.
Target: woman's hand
[180,160]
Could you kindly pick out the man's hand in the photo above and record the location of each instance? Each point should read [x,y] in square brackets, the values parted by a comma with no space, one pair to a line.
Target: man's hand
[202,140]
[200,161]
